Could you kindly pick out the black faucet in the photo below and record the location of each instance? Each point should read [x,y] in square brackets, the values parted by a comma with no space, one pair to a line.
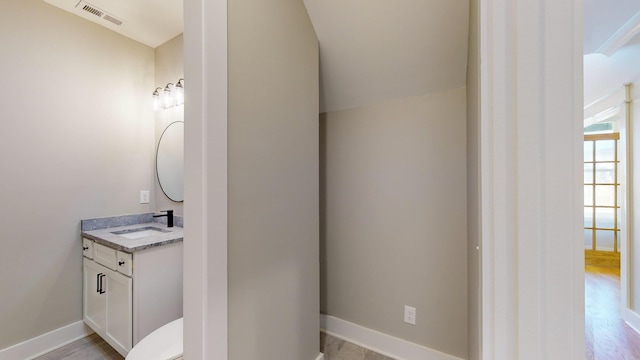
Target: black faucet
[169,216]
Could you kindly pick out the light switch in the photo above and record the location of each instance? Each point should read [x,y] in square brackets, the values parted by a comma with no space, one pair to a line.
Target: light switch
[144,196]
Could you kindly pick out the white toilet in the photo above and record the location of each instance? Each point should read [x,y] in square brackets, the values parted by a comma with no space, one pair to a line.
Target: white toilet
[164,343]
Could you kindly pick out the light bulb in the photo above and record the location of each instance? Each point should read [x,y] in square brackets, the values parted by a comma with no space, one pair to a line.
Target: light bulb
[156,99]
[179,92]
[167,98]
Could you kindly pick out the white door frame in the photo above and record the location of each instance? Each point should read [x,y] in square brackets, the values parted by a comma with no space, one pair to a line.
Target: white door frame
[205,170]
[531,151]
[627,210]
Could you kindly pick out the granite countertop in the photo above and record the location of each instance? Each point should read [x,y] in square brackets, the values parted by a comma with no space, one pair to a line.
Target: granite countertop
[101,231]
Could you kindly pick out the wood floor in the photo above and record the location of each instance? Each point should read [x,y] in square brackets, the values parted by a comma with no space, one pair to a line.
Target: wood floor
[90,348]
[94,348]
[338,349]
[607,336]
[602,258]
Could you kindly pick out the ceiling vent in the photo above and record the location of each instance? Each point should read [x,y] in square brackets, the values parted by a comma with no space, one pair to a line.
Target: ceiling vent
[112,19]
[85,6]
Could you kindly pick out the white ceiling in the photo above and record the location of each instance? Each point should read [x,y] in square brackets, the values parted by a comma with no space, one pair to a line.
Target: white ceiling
[370,51]
[611,50]
[609,24]
[151,22]
[376,50]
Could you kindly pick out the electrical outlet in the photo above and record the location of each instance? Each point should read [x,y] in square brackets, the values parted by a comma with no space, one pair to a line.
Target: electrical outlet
[409,315]
[144,196]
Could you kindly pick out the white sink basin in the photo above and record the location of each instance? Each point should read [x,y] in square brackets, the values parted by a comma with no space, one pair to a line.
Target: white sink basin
[140,232]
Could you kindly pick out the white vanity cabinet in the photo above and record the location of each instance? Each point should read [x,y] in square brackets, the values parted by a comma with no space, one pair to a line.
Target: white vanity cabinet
[128,295]
[108,306]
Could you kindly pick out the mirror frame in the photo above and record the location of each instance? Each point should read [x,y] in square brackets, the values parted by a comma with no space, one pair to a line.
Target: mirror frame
[156,164]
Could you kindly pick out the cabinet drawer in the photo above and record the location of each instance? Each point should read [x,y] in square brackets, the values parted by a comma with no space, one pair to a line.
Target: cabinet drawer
[105,255]
[87,248]
[124,263]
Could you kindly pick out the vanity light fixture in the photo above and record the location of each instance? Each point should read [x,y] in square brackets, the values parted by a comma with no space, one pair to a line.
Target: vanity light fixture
[156,98]
[172,95]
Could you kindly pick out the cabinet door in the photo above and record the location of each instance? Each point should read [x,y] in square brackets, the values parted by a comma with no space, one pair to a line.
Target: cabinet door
[119,305]
[94,299]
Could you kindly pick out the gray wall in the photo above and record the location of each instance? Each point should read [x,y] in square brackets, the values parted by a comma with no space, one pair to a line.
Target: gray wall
[77,142]
[394,218]
[169,68]
[273,181]
[473,186]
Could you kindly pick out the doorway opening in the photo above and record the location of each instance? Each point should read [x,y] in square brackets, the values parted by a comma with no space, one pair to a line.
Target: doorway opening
[606,205]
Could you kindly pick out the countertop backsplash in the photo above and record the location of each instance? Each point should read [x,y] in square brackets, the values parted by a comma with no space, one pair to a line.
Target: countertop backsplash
[126,220]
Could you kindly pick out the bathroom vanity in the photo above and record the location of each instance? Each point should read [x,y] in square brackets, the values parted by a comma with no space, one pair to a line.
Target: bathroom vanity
[132,277]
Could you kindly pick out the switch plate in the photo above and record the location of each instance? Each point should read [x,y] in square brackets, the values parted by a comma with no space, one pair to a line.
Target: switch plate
[409,315]
[144,196]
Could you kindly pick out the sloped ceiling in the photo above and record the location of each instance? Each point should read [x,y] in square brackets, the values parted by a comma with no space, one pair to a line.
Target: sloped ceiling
[609,25]
[376,50]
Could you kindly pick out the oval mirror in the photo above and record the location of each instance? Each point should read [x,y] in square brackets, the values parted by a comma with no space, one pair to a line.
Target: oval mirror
[170,161]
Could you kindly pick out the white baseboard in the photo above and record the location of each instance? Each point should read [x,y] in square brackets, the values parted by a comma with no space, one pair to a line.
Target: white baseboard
[320,357]
[632,319]
[383,344]
[44,343]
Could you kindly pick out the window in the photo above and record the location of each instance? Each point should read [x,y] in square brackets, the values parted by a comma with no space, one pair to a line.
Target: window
[601,192]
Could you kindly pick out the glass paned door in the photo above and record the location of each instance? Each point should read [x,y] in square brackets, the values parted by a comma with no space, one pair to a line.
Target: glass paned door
[601,192]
